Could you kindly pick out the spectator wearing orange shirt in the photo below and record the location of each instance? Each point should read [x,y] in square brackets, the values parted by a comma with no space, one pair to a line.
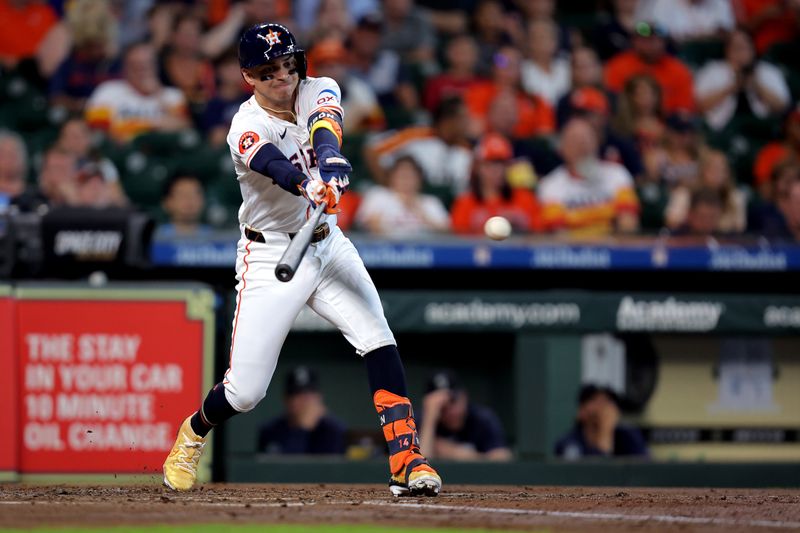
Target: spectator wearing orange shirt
[649,56]
[462,58]
[768,21]
[490,193]
[536,116]
[23,26]
[787,149]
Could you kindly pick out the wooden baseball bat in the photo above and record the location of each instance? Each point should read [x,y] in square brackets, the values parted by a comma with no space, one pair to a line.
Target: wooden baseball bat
[290,260]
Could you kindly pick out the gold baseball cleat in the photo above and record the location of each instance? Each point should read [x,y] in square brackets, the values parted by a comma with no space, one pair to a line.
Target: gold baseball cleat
[180,468]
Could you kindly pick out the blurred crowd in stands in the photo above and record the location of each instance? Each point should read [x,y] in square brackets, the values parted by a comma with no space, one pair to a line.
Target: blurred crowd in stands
[587,117]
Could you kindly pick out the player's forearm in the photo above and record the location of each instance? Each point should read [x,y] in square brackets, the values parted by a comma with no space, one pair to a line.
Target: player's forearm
[427,437]
[499,454]
[271,162]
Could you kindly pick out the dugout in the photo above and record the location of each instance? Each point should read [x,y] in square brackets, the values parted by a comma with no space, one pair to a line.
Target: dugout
[711,379]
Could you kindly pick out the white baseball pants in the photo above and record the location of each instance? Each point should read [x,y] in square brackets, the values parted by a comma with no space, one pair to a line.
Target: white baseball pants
[331,279]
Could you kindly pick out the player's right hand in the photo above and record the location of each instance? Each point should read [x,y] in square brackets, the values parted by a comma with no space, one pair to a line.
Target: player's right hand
[317,191]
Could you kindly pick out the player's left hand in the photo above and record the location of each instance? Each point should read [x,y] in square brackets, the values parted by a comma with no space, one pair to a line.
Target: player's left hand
[332,165]
[317,191]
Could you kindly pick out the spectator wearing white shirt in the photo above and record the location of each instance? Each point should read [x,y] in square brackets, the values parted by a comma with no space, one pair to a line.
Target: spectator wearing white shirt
[689,20]
[740,84]
[544,72]
[139,103]
[399,209]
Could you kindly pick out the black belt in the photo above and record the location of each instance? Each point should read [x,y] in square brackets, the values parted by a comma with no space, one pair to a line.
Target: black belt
[320,232]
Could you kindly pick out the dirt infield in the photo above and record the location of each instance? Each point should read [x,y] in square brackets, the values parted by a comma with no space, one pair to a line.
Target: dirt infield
[520,508]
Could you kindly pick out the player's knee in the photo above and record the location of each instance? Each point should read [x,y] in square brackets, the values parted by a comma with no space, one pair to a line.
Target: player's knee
[246,400]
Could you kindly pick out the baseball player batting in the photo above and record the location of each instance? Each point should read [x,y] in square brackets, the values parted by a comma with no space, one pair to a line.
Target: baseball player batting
[285,143]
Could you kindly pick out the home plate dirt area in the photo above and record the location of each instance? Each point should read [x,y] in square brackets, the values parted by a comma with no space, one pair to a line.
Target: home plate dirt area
[459,506]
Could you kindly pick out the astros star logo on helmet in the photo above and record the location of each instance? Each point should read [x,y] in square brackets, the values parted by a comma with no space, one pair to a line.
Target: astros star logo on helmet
[272,37]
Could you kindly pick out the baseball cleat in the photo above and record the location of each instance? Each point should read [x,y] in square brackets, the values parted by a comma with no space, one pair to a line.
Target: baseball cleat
[180,468]
[421,482]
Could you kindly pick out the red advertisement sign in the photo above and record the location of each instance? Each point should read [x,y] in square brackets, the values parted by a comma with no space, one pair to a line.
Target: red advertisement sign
[104,384]
[8,387]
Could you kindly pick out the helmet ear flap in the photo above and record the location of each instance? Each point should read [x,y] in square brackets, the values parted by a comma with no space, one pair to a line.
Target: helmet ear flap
[302,64]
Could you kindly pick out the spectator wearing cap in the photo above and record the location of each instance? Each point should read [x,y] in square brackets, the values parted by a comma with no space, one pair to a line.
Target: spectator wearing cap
[741,85]
[648,55]
[305,427]
[94,170]
[545,72]
[677,161]
[586,195]
[536,116]
[773,154]
[490,193]
[400,209]
[592,104]
[362,112]
[597,431]
[690,20]
[441,150]
[454,428]
[585,71]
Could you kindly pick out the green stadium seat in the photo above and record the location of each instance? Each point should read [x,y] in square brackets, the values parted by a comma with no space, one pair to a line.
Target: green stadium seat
[143,178]
[653,198]
[697,53]
[353,150]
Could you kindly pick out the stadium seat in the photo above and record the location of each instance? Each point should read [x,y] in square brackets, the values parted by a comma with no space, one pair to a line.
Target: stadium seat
[143,178]
[697,53]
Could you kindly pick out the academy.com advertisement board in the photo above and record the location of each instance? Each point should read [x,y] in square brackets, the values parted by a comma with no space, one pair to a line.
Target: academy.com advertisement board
[105,382]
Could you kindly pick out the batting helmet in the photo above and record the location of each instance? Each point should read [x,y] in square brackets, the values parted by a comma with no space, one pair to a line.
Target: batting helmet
[263,42]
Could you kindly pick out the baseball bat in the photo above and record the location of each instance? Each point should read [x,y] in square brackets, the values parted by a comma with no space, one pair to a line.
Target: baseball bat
[290,260]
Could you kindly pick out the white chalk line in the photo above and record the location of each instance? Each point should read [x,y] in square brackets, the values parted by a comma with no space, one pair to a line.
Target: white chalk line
[581,515]
[609,517]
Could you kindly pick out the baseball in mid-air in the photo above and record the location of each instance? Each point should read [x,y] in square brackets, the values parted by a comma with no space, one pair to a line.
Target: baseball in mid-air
[497,228]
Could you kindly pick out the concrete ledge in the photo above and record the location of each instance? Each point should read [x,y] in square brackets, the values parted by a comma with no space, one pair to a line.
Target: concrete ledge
[286,469]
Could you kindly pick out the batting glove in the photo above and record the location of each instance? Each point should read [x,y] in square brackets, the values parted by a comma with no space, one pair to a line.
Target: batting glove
[332,165]
[316,192]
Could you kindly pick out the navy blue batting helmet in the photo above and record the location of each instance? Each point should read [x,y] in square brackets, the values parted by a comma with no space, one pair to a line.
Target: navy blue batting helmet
[264,42]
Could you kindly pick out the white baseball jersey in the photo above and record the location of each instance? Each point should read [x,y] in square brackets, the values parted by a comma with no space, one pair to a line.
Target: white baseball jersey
[265,205]
[331,278]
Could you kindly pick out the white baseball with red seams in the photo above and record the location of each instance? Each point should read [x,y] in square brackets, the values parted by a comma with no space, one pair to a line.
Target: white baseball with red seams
[331,278]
